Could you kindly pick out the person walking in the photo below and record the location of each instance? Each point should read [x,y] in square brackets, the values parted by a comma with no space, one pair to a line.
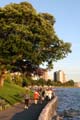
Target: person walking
[42,95]
[36,96]
[27,98]
[50,93]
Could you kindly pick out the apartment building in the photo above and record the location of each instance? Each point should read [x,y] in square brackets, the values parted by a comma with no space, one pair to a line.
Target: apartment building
[60,76]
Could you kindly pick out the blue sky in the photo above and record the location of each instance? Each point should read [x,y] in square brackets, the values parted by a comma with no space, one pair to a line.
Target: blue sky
[67,27]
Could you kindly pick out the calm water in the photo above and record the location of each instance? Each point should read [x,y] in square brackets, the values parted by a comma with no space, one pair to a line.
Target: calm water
[69,103]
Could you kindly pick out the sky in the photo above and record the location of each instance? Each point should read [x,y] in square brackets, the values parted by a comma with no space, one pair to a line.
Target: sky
[67,27]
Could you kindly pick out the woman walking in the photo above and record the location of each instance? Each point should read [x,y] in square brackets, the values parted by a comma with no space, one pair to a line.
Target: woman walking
[36,96]
[27,98]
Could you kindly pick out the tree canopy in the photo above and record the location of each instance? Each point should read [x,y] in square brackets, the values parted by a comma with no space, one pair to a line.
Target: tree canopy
[28,35]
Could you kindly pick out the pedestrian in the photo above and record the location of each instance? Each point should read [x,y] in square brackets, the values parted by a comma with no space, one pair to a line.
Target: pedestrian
[43,94]
[47,94]
[27,98]
[36,96]
[50,93]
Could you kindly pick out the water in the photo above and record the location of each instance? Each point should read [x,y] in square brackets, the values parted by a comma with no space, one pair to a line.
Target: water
[68,103]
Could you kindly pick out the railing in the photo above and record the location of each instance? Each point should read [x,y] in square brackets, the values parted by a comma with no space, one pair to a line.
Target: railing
[49,111]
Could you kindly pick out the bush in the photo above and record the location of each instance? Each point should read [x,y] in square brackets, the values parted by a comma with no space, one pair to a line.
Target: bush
[27,81]
[8,78]
[24,83]
[18,80]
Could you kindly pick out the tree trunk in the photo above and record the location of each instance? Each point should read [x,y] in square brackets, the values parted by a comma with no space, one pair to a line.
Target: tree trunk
[1,81]
[2,78]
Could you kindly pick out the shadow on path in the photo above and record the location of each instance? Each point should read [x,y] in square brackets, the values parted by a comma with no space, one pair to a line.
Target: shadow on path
[32,113]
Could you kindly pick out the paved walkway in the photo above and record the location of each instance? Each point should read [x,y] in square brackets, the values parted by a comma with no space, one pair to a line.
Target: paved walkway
[17,112]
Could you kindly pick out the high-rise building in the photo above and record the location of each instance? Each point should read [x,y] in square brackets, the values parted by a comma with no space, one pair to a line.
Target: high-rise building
[55,76]
[60,76]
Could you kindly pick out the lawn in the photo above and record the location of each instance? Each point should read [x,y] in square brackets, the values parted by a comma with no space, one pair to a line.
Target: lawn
[11,93]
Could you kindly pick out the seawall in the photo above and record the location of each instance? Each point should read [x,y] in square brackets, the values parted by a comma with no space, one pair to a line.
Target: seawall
[49,111]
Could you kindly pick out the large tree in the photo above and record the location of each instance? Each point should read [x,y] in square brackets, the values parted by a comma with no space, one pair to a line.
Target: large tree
[26,35]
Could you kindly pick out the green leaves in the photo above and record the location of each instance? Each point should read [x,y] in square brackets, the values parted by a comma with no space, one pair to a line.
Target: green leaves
[26,34]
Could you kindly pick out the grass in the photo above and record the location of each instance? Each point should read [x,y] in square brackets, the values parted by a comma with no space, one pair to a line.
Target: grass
[11,93]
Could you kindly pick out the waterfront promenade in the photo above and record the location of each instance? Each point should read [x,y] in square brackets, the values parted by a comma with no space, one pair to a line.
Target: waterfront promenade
[17,112]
